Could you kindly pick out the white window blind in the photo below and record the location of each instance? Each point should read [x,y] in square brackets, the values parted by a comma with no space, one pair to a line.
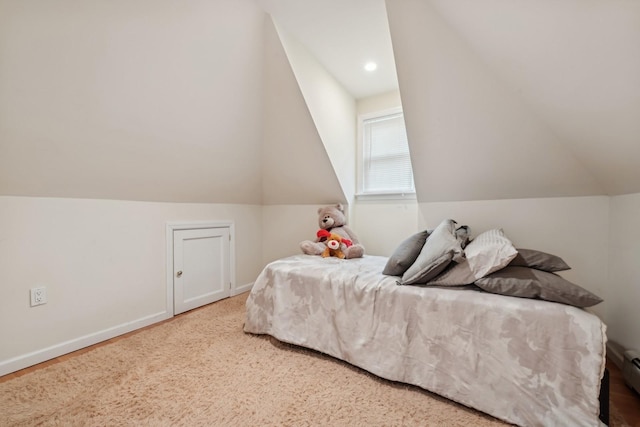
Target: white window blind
[386,163]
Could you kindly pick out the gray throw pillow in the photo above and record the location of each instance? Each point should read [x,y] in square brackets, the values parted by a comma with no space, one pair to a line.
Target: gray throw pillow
[528,282]
[488,252]
[539,260]
[405,254]
[456,274]
[439,250]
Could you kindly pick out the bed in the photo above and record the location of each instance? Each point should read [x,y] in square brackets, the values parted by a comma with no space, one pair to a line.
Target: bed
[526,361]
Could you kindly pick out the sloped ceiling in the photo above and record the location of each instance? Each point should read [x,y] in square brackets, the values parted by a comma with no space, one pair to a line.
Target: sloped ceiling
[343,35]
[575,63]
[333,111]
[503,99]
[471,136]
[132,100]
[295,166]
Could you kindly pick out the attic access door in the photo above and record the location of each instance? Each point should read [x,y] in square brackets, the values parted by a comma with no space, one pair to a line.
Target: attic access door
[201,272]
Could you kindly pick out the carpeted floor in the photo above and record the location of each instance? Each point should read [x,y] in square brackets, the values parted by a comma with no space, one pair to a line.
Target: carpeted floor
[201,369]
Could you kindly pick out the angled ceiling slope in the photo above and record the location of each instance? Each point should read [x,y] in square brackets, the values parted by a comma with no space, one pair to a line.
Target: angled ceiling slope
[548,106]
[576,63]
[343,35]
[332,109]
[474,134]
[296,168]
[116,100]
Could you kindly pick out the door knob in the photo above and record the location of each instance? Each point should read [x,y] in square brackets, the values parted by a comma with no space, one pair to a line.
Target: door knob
[179,273]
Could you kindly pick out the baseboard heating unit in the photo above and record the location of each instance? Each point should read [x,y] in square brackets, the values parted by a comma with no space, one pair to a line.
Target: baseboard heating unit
[631,369]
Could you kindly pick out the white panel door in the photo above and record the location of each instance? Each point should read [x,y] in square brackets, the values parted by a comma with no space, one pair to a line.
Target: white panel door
[201,267]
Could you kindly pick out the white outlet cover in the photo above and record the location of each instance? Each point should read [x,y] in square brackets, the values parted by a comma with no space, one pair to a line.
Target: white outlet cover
[38,296]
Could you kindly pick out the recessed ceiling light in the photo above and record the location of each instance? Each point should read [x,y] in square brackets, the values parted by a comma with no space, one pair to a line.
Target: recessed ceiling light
[370,66]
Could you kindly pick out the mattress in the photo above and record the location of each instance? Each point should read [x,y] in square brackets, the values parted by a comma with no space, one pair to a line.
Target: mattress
[527,362]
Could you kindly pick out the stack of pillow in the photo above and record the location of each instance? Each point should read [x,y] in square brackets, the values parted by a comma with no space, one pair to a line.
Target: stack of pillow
[443,257]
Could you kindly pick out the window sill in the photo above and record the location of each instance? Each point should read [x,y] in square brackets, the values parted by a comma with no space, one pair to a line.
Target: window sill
[386,196]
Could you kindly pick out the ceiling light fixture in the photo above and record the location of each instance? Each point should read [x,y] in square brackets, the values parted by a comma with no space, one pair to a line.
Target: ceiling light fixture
[370,66]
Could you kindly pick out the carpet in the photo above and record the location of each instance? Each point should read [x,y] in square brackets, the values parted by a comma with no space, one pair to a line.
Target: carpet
[201,369]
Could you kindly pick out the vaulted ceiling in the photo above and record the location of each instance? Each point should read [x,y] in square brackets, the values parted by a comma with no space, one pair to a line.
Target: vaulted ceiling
[502,99]
[575,64]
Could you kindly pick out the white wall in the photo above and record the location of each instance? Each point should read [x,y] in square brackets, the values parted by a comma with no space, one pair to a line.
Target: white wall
[284,227]
[382,225]
[380,102]
[623,293]
[103,263]
[135,100]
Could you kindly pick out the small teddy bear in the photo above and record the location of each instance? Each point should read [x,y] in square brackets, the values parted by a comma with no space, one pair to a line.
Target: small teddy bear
[331,219]
[335,246]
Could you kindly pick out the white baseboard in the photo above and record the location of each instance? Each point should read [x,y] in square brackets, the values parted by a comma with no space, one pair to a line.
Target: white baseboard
[615,354]
[57,350]
[39,356]
[241,289]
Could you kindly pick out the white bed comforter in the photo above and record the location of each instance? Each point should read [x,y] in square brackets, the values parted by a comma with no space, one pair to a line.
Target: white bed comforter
[528,362]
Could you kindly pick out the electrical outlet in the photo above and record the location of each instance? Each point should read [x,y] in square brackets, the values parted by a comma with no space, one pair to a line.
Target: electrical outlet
[38,296]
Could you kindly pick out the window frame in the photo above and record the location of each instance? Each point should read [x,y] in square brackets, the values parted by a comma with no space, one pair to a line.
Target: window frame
[360,162]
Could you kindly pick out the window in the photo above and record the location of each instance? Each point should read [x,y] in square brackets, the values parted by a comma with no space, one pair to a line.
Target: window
[384,160]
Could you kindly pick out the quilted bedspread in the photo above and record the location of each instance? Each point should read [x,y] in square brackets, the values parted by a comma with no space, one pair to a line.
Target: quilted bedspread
[528,362]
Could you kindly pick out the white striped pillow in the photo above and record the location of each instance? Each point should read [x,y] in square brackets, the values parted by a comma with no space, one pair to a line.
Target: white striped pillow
[489,252]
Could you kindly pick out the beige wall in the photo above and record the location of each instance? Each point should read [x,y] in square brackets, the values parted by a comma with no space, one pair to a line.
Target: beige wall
[382,225]
[381,102]
[103,263]
[284,227]
[623,284]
